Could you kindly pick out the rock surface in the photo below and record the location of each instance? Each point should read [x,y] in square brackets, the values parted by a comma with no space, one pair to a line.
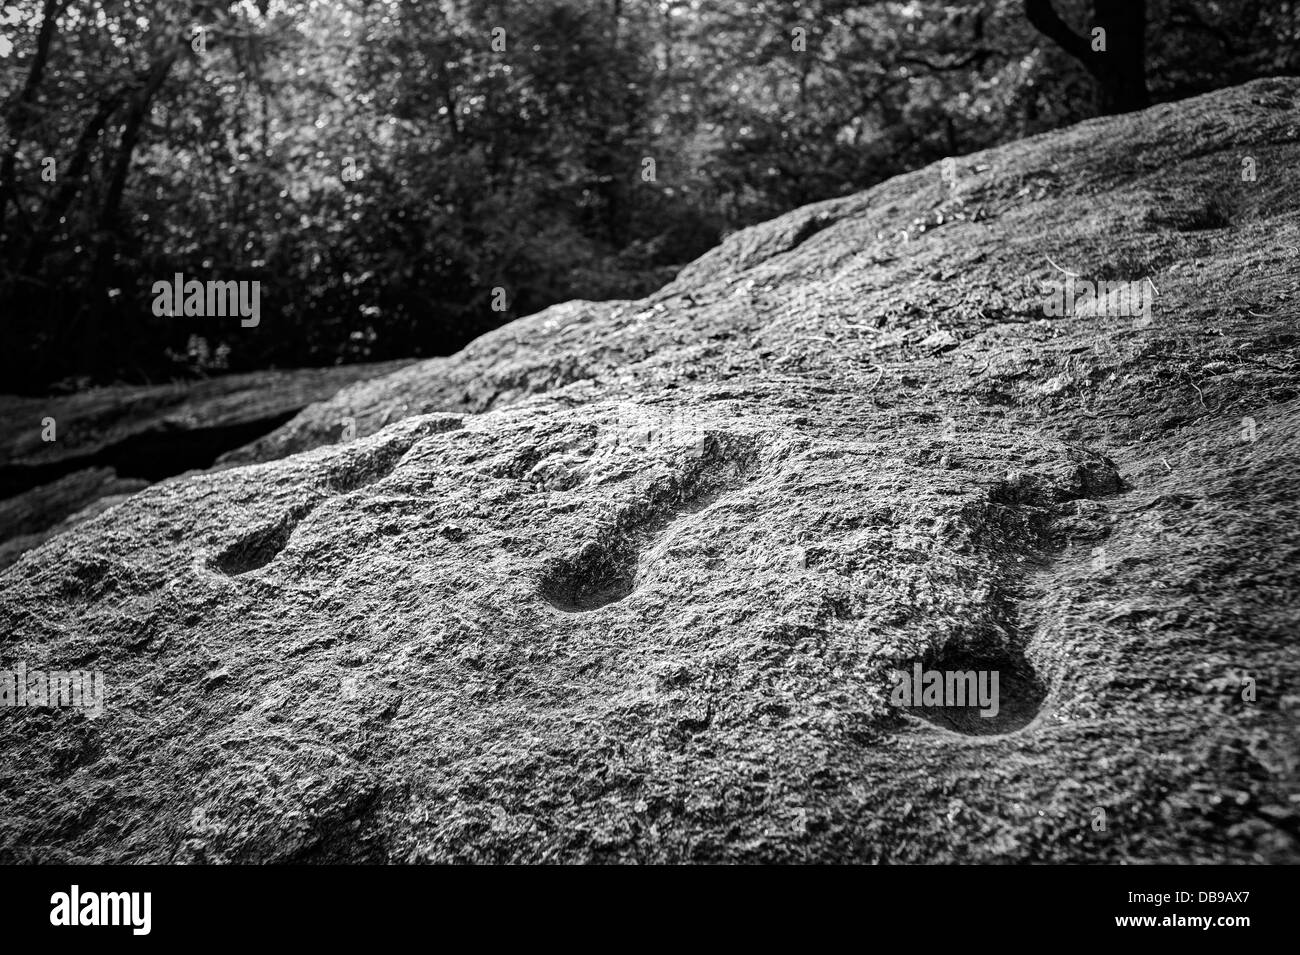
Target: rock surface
[631,581]
[33,517]
[61,458]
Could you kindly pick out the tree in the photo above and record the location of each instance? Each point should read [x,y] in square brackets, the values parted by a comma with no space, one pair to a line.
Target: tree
[1113,52]
[383,167]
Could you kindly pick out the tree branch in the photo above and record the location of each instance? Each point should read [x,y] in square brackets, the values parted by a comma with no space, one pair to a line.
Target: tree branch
[72,180]
[140,106]
[1044,18]
[20,112]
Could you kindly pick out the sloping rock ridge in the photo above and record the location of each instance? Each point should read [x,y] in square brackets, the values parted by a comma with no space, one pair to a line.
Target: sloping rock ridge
[635,581]
[65,459]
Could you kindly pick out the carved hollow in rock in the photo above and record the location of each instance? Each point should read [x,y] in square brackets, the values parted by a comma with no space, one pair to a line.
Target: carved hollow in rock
[258,547]
[367,469]
[990,708]
[597,577]
[604,572]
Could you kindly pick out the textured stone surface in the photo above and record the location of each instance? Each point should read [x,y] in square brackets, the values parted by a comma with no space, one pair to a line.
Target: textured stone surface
[110,442]
[88,422]
[629,581]
[30,518]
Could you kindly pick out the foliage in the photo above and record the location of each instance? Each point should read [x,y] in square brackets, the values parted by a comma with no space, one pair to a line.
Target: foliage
[229,154]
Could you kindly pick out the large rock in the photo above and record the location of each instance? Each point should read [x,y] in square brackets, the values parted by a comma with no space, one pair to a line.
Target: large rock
[63,459]
[632,580]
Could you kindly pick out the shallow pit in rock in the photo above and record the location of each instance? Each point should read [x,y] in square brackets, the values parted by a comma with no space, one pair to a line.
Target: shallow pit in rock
[987,692]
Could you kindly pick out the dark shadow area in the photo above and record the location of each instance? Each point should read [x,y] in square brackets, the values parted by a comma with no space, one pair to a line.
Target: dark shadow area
[259,547]
[150,456]
[1019,697]
[593,581]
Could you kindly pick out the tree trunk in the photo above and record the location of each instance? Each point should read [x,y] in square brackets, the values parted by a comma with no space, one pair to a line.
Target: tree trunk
[1117,65]
[1121,71]
[21,112]
[71,184]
